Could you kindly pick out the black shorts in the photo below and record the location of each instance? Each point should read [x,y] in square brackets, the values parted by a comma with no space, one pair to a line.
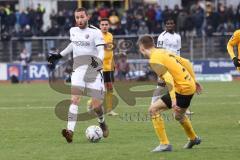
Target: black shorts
[108,76]
[183,101]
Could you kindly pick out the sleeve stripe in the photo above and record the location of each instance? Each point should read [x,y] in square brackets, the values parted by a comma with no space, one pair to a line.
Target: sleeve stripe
[164,33]
[100,45]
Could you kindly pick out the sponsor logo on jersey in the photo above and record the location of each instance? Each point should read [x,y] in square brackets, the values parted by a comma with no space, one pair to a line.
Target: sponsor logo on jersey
[82,43]
[87,36]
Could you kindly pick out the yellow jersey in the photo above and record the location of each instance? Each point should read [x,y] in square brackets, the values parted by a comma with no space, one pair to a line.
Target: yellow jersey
[174,70]
[234,41]
[108,62]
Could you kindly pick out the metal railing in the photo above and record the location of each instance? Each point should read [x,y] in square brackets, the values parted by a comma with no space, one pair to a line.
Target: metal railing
[192,47]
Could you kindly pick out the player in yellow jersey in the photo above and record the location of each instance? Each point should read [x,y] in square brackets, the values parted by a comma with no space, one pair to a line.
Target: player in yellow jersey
[234,41]
[108,65]
[180,79]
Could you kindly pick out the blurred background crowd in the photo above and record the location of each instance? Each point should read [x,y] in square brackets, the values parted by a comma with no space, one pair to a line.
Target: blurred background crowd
[31,30]
[141,18]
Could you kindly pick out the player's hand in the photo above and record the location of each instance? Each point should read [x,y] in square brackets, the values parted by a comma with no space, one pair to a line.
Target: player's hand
[236,62]
[95,64]
[175,107]
[199,88]
[54,57]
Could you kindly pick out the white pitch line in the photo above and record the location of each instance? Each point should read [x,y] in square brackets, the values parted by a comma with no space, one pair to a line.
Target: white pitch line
[11,108]
[141,105]
[218,96]
[194,103]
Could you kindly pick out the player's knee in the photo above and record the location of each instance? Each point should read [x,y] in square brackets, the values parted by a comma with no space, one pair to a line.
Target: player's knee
[96,103]
[153,111]
[75,100]
[109,87]
[97,107]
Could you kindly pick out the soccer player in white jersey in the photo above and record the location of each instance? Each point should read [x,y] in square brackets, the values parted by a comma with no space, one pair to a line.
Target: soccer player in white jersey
[87,45]
[169,40]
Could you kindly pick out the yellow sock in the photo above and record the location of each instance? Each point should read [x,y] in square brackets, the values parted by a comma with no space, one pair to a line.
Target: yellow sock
[159,127]
[109,103]
[186,124]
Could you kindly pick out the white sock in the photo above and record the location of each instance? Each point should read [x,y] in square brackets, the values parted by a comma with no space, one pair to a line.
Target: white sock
[72,117]
[101,119]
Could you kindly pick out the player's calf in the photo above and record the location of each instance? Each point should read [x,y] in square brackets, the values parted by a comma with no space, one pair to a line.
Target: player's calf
[72,118]
[178,117]
[98,109]
[179,114]
[109,86]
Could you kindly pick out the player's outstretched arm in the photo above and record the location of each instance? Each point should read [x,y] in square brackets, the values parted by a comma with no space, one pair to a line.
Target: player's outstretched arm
[67,50]
[54,57]
[170,85]
[234,40]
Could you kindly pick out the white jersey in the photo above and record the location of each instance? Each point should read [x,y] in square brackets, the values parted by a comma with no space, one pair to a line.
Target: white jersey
[169,41]
[85,41]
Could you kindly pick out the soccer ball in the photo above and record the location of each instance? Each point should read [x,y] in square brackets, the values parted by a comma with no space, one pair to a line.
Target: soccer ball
[94,133]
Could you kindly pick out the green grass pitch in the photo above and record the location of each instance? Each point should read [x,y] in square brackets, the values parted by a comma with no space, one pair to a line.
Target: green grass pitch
[31,131]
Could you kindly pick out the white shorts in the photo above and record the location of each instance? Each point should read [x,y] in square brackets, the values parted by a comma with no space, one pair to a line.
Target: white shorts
[89,81]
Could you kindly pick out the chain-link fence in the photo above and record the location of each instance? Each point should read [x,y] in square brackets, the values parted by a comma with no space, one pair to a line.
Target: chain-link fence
[192,47]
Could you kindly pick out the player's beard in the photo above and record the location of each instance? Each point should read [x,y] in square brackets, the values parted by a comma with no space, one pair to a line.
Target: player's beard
[83,26]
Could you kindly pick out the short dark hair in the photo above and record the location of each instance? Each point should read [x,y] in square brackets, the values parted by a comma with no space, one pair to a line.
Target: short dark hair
[147,41]
[81,9]
[104,19]
[169,18]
